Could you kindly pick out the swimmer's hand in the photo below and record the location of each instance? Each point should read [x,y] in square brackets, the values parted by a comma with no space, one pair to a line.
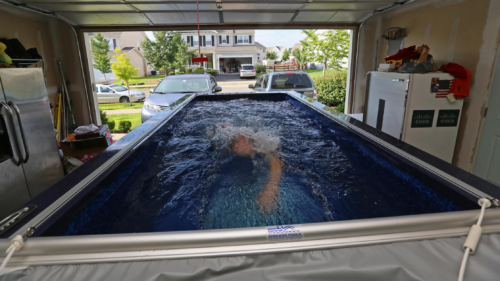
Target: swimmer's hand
[269,196]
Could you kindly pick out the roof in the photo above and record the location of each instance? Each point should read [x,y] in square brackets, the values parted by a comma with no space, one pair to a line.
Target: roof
[281,48]
[107,34]
[124,50]
[296,46]
[236,48]
[259,46]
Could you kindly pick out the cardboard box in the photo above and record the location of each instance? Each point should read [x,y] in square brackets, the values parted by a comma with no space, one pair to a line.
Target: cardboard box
[92,145]
[86,146]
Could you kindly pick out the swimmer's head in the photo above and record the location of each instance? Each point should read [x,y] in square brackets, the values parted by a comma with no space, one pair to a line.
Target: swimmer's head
[242,146]
[242,140]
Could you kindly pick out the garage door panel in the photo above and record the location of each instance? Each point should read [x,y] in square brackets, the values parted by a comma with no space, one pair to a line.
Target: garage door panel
[87,18]
[174,7]
[313,16]
[236,17]
[350,6]
[349,16]
[106,18]
[83,8]
[182,18]
[261,6]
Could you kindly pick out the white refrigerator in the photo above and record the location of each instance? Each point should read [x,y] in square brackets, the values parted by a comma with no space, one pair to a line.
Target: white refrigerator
[414,108]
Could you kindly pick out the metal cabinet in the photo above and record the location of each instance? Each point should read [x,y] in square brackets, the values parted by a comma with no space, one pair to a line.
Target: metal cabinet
[30,161]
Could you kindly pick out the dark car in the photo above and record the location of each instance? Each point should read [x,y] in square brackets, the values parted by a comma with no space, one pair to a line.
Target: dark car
[298,81]
[174,87]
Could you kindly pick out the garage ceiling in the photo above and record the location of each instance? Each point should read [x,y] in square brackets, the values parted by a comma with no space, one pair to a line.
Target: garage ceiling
[182,12]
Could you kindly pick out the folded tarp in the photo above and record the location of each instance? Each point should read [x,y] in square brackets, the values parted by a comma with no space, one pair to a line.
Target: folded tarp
[406,261]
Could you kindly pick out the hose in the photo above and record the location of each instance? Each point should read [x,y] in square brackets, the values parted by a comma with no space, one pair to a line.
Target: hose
[473,237]
[15,245]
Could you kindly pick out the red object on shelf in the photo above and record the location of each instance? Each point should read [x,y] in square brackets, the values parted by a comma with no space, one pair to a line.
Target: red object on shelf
[202,59]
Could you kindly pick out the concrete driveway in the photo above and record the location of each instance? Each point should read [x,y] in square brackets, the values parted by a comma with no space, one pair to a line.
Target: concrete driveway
[232,83]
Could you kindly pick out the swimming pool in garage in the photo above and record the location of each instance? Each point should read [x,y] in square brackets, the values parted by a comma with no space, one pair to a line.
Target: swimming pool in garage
[187,176]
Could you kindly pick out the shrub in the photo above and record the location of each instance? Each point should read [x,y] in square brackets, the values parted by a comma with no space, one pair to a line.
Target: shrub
[104,117]
[182,69]
[198,70]
[341,107]
[189,70]
[259,68]
[171,73]
[212,72]
[111,124]
[332,89]
[125,125]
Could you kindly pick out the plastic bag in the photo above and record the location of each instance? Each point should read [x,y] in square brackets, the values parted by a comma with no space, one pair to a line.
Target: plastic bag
[85,129]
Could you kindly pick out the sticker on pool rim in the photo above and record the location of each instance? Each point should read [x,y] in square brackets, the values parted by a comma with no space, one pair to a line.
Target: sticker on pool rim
[282,233]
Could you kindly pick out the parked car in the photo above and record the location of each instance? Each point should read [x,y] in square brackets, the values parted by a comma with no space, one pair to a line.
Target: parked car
[247,70]
[174,87]
[116,93]
[299,82]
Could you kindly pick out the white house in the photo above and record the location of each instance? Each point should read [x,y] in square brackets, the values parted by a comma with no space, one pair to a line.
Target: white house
[278,50]
[129,43]
[225,49]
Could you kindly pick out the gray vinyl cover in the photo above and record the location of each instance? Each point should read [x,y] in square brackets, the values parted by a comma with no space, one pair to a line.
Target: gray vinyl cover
[418,260]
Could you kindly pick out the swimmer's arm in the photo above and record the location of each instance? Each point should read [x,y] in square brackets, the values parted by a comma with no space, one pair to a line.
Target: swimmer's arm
[268,196]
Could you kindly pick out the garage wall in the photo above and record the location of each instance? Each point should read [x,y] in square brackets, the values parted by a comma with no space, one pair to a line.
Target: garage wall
[466,32]
[55,41]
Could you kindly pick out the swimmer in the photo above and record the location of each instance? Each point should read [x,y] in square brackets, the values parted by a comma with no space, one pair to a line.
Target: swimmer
[244,146]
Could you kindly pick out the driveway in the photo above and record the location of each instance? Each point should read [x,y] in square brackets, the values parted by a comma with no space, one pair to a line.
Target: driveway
[230,78]
[231,83]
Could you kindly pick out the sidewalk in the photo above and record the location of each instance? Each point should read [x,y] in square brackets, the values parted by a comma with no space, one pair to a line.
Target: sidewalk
[122,111]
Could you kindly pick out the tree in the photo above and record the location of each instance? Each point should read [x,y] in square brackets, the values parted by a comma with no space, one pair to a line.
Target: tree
[162,53]
[99,48]
[286,55]
[182,53]
[329,48]
[300,57]
[123,69]
[271,55]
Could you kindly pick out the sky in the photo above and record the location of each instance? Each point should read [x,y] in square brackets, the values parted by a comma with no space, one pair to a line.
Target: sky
[269,38]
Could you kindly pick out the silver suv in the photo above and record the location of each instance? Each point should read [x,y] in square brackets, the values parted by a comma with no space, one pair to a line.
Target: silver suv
[298,81]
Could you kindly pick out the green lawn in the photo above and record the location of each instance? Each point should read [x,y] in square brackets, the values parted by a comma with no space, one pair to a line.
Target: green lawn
[134,118]
[145,80]
[115,106]
[314,73]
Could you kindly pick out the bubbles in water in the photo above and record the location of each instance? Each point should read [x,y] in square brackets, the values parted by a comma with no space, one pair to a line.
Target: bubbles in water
[264,140]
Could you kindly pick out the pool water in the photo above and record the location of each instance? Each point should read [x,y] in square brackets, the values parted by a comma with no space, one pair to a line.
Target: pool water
[187,177]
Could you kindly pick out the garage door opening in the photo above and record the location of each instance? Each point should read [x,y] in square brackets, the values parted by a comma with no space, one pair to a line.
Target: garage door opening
[159,54]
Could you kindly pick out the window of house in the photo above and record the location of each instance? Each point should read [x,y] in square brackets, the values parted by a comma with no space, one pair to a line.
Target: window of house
[196,39]
[208,40]
[223,39]
[184,38]
[243,39]
[110,44]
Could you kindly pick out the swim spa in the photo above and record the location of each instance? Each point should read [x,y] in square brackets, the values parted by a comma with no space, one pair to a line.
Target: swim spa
[176,188]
